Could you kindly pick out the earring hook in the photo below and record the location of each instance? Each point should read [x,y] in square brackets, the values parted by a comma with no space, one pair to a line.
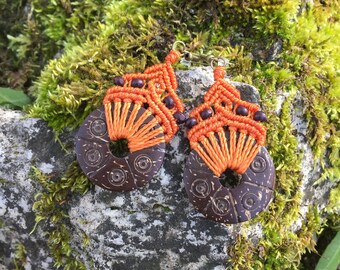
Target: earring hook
[189,57]
[219,62]
[179,44]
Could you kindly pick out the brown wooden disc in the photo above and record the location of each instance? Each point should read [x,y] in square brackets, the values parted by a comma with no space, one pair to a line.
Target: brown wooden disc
[230,204]
[108,171]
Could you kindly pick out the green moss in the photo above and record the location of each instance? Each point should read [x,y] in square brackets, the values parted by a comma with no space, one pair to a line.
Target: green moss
[333,208]
[161,208]
[3,181]
[97,40]
[20,257]
[38,31]
[50,207]
[12,20]
[308,66]
[86,240]
[276,248]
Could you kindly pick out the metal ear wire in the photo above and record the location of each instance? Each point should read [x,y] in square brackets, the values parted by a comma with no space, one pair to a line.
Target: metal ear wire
[179,46]
[219,62]
[188,58]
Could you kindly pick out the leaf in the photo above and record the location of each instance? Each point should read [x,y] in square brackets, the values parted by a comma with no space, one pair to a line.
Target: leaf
[330,259]
[14,99]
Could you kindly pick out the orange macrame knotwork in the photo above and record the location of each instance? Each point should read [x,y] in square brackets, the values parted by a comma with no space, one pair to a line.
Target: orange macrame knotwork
[226,140]
[123,103]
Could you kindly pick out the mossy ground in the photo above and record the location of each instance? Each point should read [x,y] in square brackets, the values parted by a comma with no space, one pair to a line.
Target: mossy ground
[93,40]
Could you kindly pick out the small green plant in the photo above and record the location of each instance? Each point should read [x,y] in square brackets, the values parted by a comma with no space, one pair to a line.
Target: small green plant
[50,207]
[20,257]
[15,99]
[330,259]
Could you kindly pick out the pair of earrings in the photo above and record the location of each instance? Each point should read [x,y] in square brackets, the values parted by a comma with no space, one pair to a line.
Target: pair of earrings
[226,135]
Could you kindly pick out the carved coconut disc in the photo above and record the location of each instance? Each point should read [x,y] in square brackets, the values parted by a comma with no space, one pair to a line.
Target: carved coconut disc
[230,204]
[104,169]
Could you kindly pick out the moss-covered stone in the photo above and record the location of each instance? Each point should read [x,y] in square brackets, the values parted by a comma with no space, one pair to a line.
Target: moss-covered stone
[20,257]
[49,207]
[97,40]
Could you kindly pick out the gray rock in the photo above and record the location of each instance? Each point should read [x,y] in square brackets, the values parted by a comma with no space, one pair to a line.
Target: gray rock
[151,228]
[24,143]
[154,227]
[275,50]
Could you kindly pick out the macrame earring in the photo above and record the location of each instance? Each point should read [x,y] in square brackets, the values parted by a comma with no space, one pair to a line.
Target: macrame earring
[141,111]
[226,140]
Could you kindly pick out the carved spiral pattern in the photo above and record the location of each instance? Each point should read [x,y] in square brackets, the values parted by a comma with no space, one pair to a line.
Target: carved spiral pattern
[143,163]
[258,165]
[228,204]
[250,201]
[108,171]
[201,188]
[220,206]
[98,127]
[117,177]
[93,157]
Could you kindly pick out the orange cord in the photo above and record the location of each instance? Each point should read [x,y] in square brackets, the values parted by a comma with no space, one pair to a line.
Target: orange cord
[245,136]
[122,104]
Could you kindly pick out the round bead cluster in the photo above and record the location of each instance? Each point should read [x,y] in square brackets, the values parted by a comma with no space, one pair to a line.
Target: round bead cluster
[240,110]
[118,81]
[205,114]
[260,116]
[191,121]
[181,117]
[168,101]
[138,83]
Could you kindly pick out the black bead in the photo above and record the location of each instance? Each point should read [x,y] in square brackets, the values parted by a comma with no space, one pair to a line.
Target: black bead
[240,110]
[180,117]
[205,114]
[118,80]
[260,116]
[137,83]
[169,102]
[190,122]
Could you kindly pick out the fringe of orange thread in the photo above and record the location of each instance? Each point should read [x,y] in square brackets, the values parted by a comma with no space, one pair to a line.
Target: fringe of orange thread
[208,137]
[159,82]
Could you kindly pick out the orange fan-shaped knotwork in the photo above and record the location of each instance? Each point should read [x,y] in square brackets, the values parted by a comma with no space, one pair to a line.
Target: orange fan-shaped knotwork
[123,103]
[226,140]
